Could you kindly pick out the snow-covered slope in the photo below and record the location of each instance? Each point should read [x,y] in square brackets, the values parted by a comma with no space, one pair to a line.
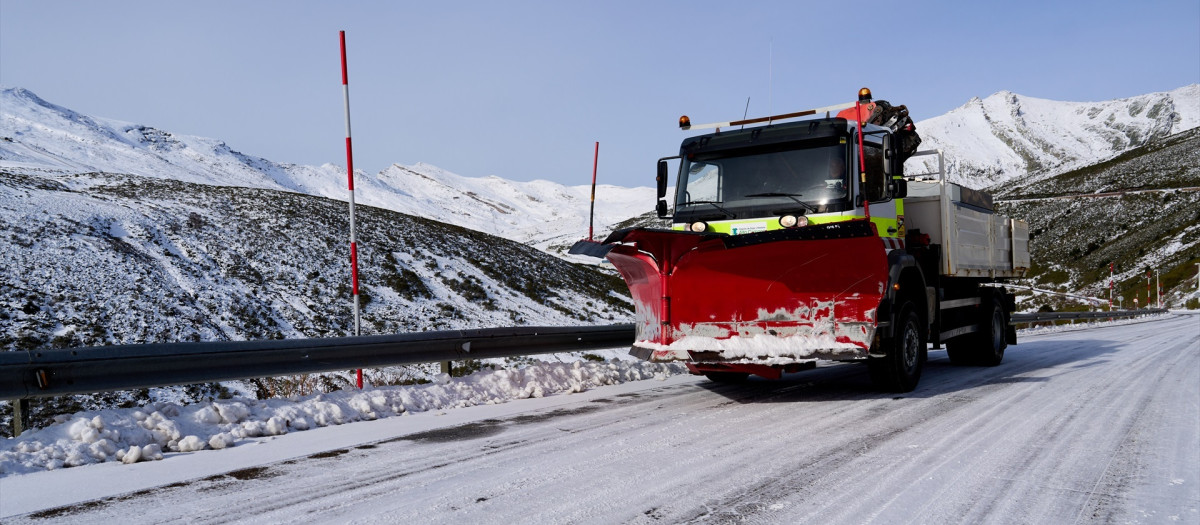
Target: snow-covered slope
[38,136]
[540,213]
[98,259]
[1139,211]
[1005,136]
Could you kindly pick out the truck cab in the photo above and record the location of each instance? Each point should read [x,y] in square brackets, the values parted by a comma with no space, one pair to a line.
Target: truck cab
[787,176]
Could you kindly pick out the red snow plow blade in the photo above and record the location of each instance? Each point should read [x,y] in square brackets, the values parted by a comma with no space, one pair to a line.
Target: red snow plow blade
[771,298]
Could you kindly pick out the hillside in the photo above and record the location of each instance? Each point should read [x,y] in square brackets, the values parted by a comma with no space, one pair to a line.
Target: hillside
[97,259]
[1139,210]
[104,259]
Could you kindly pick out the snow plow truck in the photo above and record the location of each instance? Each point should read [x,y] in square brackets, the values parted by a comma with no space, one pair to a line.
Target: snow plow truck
[794,242]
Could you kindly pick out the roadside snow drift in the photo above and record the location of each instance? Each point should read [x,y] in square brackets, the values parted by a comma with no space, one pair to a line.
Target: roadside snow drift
[146,433]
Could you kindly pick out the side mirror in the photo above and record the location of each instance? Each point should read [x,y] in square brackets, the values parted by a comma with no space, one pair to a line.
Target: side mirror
[661,209]
[888,154]
[661,179]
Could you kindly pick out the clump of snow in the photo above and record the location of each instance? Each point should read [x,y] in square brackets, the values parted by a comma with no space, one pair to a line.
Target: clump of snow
[143,434]
[759,346]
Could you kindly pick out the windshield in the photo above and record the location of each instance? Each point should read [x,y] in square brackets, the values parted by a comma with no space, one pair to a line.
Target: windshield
[756,183]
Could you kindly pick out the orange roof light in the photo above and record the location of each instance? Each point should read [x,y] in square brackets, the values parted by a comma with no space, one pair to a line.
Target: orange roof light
[685,122]
[864,95]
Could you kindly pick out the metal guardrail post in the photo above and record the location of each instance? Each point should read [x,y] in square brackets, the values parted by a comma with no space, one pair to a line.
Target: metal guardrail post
[20,420]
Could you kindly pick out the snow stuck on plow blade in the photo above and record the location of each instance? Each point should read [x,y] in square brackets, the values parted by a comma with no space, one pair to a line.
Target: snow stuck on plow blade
[769,298]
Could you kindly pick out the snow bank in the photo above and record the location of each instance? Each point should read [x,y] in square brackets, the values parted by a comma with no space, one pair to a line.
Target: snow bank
[144,434]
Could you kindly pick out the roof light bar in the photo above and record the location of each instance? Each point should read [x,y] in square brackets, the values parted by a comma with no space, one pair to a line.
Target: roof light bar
[686,123]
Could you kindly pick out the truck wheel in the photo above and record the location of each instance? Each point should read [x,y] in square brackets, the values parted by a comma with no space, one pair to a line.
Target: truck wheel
[900,369]
[992,341]
[985,347]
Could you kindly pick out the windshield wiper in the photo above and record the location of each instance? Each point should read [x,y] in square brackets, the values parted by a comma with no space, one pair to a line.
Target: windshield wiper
[792,196]
[714,204]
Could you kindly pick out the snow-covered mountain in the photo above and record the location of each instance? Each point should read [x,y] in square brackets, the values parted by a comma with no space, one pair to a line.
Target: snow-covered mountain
[987,142]
[540,213]
[38,136]
[990,141]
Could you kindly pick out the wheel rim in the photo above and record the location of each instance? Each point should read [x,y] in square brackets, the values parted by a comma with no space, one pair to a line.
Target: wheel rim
[912,343]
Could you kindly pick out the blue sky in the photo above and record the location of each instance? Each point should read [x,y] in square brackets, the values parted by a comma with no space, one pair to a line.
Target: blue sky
[522,90]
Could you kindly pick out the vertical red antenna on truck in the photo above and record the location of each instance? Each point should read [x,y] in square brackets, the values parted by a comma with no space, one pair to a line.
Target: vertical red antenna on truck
[864,95]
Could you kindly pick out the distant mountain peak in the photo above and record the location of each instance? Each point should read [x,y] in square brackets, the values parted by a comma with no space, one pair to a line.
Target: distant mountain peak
[990,141]
[20,93]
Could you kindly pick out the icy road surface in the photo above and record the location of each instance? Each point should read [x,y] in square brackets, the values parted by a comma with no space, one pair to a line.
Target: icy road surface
[1085,426]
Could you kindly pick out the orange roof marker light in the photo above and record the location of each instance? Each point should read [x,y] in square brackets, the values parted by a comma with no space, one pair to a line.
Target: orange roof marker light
[685,122]
[864,95]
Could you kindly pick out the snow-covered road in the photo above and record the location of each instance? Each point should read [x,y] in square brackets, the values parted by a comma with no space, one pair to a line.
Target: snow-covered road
[1099,425]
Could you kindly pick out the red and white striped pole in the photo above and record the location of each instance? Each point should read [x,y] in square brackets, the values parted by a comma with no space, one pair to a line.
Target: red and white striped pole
[592,212]
[350,181]
[1110,286]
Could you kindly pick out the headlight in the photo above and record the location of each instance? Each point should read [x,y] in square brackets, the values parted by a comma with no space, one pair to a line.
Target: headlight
[792,221]
[698,226]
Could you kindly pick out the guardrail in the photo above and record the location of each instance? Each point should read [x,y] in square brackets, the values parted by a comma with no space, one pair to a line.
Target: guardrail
[41,373]
[1077,316]
[30,374]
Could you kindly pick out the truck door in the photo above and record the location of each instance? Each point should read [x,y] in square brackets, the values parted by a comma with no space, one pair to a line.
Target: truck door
[887,213]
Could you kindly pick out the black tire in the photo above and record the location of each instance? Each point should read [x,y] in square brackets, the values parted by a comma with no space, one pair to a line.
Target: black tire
[985,347]
[727,377]
[992,340]
[900,370]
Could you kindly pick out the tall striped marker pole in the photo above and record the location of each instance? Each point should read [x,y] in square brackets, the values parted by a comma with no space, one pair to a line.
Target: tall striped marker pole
[350,181]
[592,212]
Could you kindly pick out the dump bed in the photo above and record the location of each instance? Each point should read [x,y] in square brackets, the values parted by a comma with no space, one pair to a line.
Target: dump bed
[976,241]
